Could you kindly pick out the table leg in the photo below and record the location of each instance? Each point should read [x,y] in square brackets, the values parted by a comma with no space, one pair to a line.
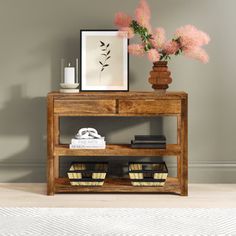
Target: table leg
[50,168]
[56,139]
[184,148]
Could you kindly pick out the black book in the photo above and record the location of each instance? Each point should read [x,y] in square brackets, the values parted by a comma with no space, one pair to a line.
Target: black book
[150,138]
[149,141]
[148,145]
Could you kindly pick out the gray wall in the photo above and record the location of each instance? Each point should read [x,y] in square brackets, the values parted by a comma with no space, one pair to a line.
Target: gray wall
[36,34]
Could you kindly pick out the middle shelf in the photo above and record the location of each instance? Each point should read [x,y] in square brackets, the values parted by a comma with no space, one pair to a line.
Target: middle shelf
[117,150]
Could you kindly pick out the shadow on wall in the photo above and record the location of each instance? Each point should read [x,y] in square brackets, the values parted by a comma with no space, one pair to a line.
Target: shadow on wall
[24,121]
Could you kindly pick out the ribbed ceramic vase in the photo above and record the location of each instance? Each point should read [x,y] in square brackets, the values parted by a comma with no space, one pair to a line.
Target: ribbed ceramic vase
[160,77]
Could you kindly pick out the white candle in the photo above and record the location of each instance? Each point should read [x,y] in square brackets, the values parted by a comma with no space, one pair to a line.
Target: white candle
[69,75]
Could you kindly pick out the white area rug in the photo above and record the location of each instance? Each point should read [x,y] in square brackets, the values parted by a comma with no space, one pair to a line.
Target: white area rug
[114,222]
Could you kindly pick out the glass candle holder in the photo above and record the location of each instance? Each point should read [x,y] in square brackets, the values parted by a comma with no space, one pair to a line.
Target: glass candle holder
[69,71]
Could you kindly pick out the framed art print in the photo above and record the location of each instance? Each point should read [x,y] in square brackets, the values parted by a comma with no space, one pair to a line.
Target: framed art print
[104,61]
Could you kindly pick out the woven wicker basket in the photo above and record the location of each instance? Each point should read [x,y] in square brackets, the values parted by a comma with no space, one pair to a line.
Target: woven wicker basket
[148,173]
[87,173]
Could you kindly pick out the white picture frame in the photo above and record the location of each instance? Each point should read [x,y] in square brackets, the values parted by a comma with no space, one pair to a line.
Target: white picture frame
[104,61]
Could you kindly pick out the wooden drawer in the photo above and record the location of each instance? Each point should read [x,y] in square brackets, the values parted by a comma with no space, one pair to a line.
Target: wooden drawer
[85,106]
[149,106]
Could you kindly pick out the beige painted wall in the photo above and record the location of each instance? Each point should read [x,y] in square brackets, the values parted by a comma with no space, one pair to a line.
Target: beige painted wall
[36,34]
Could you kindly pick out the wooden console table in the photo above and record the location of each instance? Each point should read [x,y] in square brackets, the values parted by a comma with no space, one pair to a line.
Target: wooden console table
[119,104]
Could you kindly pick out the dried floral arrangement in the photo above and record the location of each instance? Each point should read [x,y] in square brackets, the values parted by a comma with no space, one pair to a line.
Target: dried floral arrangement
[187,40]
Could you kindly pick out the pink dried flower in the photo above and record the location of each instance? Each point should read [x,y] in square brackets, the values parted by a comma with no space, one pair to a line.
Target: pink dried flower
[187,39]
[158,38]
[170,47]
[190,37]
[197,53]
[153,55]
[122,20]
[143,15]
[136,49]
[126,32]
[144,6]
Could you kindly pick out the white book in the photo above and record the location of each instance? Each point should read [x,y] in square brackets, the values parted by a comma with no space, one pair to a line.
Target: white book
[89,145]
[73,146]
[87,141]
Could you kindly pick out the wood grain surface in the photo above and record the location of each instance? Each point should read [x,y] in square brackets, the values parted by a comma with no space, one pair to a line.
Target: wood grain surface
[117,104]
[118,186]
[117,150]
[149,106]
[85,106]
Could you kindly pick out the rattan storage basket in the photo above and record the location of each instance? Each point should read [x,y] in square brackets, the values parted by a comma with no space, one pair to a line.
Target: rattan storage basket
[87,173]
[148,173]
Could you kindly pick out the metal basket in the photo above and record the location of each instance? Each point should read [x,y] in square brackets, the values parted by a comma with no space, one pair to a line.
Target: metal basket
[87,173]
[148,173]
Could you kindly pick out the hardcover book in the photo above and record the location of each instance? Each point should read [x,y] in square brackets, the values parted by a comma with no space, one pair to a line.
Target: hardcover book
[148,145]
[149,141]
[150,138]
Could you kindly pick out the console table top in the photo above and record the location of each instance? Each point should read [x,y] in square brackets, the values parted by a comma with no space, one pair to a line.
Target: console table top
[131,94]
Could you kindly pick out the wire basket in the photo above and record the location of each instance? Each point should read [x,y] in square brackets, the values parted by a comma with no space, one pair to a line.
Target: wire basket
[148,173]
[87,173]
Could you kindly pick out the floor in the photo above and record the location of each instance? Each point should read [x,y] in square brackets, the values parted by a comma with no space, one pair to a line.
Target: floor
[200,195]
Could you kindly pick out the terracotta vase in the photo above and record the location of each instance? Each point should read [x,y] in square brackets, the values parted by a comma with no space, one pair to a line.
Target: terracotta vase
[160,77]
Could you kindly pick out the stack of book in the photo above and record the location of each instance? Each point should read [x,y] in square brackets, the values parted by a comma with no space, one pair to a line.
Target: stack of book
[88,138]
[149,141]
[90,143]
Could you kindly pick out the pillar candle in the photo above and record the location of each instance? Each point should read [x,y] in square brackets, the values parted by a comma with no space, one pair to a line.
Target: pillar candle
[69,75]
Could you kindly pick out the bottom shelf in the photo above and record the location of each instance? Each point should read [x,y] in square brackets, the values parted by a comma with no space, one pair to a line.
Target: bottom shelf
[62,185]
